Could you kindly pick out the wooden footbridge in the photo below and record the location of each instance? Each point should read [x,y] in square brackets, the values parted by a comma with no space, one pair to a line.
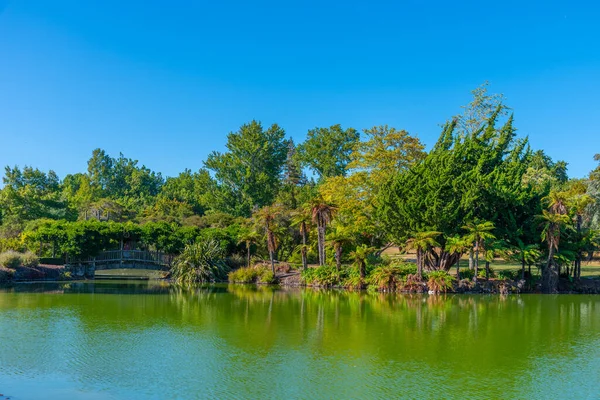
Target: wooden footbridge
[119,259]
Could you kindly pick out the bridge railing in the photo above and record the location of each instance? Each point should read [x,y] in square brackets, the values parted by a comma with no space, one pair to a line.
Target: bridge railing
[113,256]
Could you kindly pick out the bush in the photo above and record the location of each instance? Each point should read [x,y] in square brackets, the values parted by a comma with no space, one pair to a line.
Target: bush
[439,281]
[259,274]
[266,276]
[30,260]
[243,275]
[11,259]
[508,274]
[326,275]
[467,273]
[387,277]
[481,272]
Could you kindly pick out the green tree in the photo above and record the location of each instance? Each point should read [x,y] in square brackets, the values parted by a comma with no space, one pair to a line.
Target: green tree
[468,175]
[327,151]
[265,217]
[553,222]
[458,245]
[248,237]
[322,214]
[422,242]
[360,257]
[247,175]
[478,233]
[302,219]
[338,239]
[190,188]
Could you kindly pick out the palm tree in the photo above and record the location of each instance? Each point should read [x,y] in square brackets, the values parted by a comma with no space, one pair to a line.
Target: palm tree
[421,242]
[526,255]
[249,238]
[302,218]
[552,223]
[477,233]
[338,239]
[579,204]
[266,218]
[459,245]
[201,262]
[322,214]
[491,249]
[360,256]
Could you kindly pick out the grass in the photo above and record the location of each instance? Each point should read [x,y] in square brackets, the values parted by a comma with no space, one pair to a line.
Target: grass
[588,270]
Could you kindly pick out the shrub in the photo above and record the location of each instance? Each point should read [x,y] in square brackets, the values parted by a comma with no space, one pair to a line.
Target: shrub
[30,260]
[481,272]
[243,275]
[260,274]
[386,277]
[467,273]
[11,259]
[325,275]
[265,276]
[439,281]
[508,274]
[200,262]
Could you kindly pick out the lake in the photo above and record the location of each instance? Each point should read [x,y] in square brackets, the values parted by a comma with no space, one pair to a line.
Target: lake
[150,340]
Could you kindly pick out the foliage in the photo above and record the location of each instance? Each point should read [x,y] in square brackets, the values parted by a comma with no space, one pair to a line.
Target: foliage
[439,281]
[324,275]
[327,151]
[247,175]
[259,274]
[28,259]
[200,262]
[10,259]
[465,177]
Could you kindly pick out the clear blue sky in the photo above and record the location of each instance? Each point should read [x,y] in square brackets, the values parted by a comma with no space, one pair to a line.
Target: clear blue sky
[165,81]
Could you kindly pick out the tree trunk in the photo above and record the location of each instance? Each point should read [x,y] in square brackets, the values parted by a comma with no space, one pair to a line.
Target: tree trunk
[549,273]
[338,258]
[272,256]
[248,253]
[471,262]
[362,270]
[303,251]
[458,270]
[487,270]
[476,262]
[522,266]
[321,244]
[419,263]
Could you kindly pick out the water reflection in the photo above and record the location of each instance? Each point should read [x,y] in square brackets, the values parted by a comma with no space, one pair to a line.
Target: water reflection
[130,337]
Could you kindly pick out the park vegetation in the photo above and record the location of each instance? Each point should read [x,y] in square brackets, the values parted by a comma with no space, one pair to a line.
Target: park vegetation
[329,206]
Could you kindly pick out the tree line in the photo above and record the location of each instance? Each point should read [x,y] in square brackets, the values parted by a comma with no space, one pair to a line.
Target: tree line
[481,190]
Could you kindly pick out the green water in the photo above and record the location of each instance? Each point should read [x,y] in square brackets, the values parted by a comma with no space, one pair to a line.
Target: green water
[145,340]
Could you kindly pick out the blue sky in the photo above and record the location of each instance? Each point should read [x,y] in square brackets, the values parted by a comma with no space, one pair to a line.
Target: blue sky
[164,82]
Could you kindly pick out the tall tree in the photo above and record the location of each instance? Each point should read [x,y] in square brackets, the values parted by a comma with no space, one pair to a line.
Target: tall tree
[322,214]
[338,239]
[327,151]
[422,242]
[248,173]
[477,234]
[465,177]
[248,237]
[265,217]
[302,219]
